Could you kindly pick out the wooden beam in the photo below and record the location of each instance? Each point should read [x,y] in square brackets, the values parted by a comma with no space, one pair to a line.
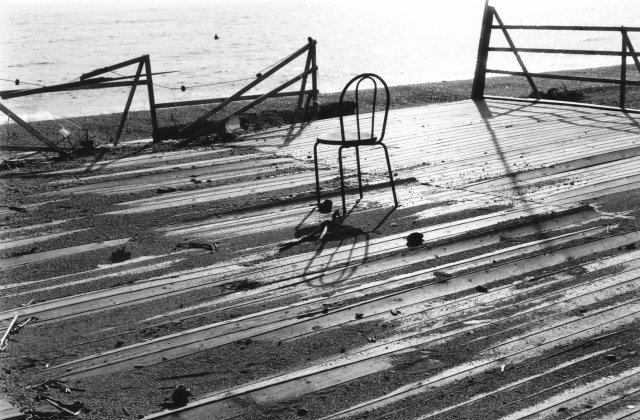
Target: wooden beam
[113,67]
[67,87]
[270,93]
[560,51]
[625,36]
[623,71]
[515,52]
[563,77]
[477,90]
[314,78]
[128,105]
[32,130]
[568,28]
[234,97]
[152,100]
[298,114]
[218,100]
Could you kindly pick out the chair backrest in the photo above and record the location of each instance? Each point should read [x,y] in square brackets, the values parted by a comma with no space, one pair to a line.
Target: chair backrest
[379,130]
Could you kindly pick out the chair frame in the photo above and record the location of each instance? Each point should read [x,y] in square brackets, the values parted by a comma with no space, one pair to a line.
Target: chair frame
[371,141]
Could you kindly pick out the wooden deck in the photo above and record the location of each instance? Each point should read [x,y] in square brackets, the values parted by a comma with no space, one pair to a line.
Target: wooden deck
[523,302]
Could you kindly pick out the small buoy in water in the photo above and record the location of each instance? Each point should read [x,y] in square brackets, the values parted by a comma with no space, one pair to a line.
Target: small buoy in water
[216,36]
[17,82]
[183,88]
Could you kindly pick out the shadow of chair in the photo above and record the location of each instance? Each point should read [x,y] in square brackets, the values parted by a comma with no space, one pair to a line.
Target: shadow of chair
[346,138]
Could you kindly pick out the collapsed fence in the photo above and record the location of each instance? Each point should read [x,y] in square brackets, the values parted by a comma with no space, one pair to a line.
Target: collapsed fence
[490,14]
[307,103]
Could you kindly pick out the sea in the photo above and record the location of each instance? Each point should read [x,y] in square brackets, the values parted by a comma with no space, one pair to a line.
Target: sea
[213,48]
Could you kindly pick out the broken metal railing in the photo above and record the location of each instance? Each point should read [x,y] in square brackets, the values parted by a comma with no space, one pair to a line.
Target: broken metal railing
[310,69]
[490,13]
[91,81]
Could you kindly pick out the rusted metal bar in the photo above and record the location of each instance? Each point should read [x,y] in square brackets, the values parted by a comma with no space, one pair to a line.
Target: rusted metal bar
[113,67]
[234,97]
[477,90]
[567,28]
[515,52]
[560,51]
[128,105]
[218,100]
[152,100]
[562,77]
[32,130]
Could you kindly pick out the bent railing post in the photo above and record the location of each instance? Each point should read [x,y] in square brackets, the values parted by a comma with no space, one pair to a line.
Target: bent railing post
[477,91]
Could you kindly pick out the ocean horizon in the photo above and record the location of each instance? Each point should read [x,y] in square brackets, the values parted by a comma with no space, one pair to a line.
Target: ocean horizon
[406,42]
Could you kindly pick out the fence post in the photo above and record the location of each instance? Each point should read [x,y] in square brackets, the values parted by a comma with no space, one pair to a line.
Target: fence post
[623,69]
[314,78]
[477,91]
[152,100]
[299,114]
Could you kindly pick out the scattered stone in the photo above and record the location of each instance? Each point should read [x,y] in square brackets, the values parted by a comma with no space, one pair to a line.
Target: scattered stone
[562,409]
[610,357]
[181,394]
[302,412]
[325,206]
[120,255]
[415,239]
[482,289]
[119,344]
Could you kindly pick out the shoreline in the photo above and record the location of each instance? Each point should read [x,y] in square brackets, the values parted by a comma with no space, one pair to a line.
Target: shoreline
[279,111]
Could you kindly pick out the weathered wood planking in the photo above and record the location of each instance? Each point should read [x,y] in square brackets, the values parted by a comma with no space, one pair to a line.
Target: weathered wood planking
[538,164]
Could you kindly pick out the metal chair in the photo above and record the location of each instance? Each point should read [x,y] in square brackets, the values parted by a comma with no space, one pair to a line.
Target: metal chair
[349,138]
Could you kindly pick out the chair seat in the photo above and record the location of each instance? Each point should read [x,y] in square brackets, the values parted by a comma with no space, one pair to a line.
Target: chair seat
[350,138]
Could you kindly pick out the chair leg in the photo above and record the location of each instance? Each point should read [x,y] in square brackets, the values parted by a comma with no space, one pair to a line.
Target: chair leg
[344,201]
[359,173]
[393,188]
[315,161]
